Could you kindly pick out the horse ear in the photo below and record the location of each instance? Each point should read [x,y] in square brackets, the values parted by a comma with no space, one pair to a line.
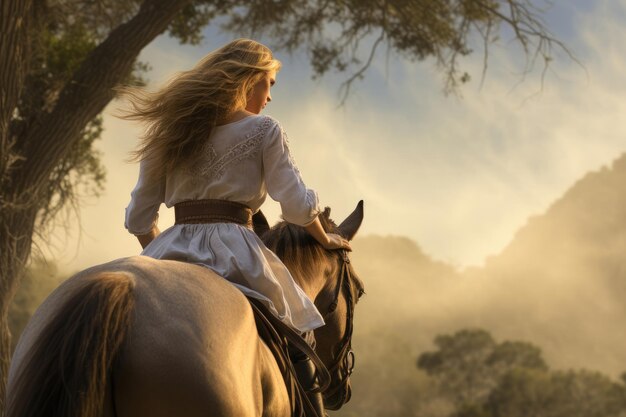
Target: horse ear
[351,224]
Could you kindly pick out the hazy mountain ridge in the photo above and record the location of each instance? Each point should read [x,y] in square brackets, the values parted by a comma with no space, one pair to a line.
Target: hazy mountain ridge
[559,284]
[563,269]
[572,219]
[568,270]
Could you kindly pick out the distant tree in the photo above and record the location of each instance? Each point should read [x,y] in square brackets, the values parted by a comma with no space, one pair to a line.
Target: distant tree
[39,280]
[469,364]
[483,378]
[60,59]
[530,392]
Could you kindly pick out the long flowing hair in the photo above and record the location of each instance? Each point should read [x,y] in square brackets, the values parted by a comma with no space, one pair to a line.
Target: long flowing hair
[180,116]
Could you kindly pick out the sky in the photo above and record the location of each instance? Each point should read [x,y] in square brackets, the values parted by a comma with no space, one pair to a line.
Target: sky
[456,174]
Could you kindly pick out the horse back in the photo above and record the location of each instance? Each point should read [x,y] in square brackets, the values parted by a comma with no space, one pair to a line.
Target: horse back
[191,349]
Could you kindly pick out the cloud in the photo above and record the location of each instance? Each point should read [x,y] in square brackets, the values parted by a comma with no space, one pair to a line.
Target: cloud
[459,176]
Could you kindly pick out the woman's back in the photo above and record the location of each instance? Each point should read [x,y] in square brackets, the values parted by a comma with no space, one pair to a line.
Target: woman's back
[241,162]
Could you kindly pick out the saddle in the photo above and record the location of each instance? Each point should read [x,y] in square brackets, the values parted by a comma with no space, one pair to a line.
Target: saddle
[281,340]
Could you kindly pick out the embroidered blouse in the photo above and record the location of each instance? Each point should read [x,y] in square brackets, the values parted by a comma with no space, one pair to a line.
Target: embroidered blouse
[243,161]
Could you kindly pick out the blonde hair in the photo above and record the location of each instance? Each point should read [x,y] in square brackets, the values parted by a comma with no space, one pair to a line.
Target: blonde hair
[181,115]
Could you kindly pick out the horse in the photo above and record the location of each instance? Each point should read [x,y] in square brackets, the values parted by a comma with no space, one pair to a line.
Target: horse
[145,337]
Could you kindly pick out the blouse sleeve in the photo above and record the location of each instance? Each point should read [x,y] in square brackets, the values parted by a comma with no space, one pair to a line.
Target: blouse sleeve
[298,203]
[142,212]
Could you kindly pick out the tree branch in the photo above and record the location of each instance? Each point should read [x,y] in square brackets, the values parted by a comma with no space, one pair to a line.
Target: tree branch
[345,86]
[90,90]
[15,17]
[528,25]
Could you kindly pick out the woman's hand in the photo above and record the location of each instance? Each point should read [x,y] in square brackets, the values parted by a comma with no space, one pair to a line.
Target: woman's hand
[336,241]
[329,241]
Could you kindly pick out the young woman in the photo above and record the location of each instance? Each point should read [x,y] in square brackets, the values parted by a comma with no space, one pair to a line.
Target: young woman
[208,152]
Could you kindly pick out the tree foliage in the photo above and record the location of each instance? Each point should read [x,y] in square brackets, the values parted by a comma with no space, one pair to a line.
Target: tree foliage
[63,35]
[524,392]
[345,35]
[469,364]
[39,280]
[484,378]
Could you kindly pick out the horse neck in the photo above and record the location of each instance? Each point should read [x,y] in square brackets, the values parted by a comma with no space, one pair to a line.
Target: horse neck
[308,267]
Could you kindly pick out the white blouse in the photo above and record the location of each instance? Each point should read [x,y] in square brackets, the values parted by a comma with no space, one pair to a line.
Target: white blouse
[243,161]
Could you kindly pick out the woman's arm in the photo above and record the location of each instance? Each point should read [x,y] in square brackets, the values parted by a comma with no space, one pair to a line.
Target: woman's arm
[298,203]
[142,211]
[145,240]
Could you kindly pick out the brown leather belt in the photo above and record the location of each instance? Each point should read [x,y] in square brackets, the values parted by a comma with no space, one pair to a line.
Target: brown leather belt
[213,211]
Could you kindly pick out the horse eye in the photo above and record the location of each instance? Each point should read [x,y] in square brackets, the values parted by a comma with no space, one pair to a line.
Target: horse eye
[361,293]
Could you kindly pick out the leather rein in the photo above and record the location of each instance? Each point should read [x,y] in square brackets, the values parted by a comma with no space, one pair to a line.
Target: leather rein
[344,358]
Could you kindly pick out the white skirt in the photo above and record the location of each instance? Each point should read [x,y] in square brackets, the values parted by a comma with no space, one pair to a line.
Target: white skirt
[237,254]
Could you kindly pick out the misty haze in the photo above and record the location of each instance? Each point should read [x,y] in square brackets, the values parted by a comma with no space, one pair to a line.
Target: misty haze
[493,246]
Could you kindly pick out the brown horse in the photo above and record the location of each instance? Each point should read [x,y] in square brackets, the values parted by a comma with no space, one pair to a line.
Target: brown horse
[144,337]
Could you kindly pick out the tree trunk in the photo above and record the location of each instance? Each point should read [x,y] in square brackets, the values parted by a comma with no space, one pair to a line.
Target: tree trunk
[16,230]
[15,20]
[24,177]
[5,346]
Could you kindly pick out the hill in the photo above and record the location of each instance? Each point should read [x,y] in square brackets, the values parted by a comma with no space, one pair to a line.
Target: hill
[559,284]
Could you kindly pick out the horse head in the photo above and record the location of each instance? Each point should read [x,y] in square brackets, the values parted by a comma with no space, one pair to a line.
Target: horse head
[329,279]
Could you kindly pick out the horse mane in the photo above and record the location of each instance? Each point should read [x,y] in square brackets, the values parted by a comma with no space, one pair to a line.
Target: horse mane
[300,252]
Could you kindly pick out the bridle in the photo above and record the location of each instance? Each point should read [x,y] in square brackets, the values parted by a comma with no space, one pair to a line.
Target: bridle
[344,359]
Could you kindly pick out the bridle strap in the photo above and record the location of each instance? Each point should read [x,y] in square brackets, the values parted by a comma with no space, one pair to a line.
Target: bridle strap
[345,358]
[342,274]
